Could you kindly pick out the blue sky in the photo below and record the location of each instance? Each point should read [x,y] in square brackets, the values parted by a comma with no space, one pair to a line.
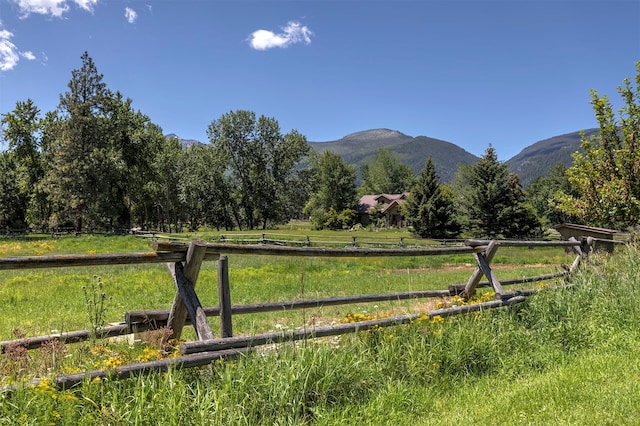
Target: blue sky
[506,73]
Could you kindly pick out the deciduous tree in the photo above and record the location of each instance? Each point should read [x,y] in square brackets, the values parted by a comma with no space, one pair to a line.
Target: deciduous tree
[333,189]
[542,191]
[385,174]
[261,165]
[607,175]
[23,130]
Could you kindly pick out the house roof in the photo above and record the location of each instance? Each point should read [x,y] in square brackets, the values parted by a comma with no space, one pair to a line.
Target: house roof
[368,202]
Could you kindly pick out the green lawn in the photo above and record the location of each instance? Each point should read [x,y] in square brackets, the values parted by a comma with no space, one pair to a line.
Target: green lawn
[563,357]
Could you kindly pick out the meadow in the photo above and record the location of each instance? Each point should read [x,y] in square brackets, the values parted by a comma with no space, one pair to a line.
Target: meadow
[562,357]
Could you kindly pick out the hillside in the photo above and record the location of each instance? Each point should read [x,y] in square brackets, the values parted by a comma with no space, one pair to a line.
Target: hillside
[537,159]
[360,147]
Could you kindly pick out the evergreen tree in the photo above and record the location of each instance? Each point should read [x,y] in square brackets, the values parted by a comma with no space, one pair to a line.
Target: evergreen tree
[428,208]
[491,199]
[100,156]
[519,217]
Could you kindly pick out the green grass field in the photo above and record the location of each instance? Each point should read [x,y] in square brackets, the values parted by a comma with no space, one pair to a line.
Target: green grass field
[562,357]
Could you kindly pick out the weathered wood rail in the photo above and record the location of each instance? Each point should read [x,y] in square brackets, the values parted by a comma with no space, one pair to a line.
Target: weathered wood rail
[185,259]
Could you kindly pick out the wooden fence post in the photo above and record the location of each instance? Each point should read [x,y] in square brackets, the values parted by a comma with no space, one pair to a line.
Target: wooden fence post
[186,301]
[476,276]
[224,295]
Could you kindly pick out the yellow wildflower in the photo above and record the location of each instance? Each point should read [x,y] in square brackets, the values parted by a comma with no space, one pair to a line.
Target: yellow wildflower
[437,319]
[113,362]
[149,354]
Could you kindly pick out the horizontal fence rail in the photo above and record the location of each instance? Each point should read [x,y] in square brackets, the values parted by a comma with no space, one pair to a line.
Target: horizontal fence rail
[216,248]
[63,261]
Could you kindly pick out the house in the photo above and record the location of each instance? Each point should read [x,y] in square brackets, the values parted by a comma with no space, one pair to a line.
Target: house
[382,205]
[568,230]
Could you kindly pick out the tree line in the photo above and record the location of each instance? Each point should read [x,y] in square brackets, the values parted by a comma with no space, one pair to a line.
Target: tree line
[95,163]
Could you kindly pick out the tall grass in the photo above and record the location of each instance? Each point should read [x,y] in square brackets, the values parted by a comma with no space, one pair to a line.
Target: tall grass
[562,357]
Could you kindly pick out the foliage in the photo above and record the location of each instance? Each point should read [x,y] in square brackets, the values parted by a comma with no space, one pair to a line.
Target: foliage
[12,204]
[491,201]
[429,207]
[333,188]
[385,174]
[542,191]
[260,163]
[23,130]
[203,190]
[100,155]
[338,220]
[519,215]
[607,175]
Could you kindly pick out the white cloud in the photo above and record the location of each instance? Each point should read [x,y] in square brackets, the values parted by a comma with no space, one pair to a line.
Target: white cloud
[86,4]
[55,8]
[293,32]
[43,7]
[8,51]
[28,55]
[130,14]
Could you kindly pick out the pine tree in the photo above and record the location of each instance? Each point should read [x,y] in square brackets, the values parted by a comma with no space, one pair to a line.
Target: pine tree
[428,208]
[77,153]
[492,200]
[519,218]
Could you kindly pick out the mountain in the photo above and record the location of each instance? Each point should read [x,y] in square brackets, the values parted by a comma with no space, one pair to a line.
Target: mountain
[538,159]
[183,142]
[361,147]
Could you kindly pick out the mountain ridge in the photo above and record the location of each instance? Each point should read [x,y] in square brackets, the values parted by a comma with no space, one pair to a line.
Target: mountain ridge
[361,147]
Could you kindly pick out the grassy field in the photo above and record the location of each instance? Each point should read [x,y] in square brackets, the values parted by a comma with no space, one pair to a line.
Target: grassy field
[563,357]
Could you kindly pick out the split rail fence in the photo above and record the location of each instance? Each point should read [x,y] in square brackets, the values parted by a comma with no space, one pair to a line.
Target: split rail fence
[184,261]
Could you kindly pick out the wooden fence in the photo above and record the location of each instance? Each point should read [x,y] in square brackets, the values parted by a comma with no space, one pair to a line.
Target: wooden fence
[184,261]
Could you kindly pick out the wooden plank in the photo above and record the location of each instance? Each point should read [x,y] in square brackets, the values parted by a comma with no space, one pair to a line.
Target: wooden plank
[61,261]
[290,335]
[186,301]
[67,381]
[522,243]
[455,289]
[160,316]
[216,248]
[224,295]
[80,335]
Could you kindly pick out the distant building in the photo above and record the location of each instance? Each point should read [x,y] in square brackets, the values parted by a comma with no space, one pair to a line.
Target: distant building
[382,205]
[568,230]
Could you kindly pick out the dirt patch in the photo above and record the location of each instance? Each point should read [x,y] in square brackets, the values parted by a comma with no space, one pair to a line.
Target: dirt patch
[467,267]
